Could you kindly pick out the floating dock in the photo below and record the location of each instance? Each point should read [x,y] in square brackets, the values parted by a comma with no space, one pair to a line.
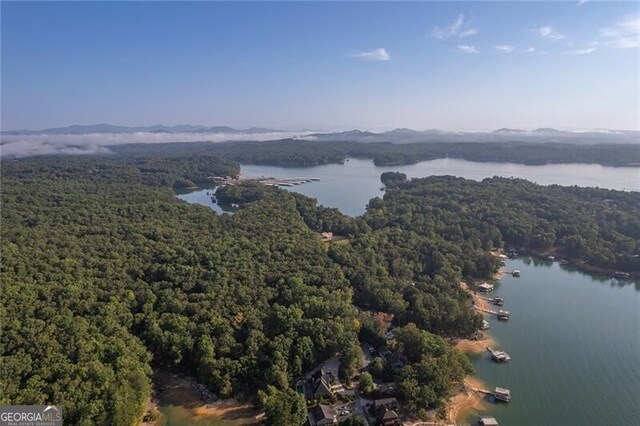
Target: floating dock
[501,315]
[497,300]
[268,181]
[286,181]
[620,274]
[499,356]
[487,421]
[500,394]
[485,288]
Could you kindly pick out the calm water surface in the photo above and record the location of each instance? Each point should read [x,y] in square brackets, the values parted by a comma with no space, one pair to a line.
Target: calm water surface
[574,341]
[351,185]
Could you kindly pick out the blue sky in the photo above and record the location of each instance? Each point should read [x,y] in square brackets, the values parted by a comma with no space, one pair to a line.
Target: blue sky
[448,65]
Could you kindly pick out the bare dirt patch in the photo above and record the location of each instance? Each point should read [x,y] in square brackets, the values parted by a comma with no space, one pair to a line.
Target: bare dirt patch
[181,400]
[466,401]
[229,409]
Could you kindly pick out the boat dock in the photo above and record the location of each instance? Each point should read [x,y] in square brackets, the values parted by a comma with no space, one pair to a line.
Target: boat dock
[500,394]
[497,300]
[485,288]
[265,180]
[502,315]
[499,356]
[286,181]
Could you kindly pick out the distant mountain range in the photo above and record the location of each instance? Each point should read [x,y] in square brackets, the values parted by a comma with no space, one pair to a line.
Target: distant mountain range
[544,135]
[159,128]
[401,135]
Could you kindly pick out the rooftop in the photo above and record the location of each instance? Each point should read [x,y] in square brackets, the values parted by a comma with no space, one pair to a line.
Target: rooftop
[487,421]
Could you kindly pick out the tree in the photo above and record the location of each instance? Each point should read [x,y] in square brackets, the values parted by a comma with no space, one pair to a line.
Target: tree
[377,367]
[393,178]
[352,421]
[283,407]
[365,383]
[349,361]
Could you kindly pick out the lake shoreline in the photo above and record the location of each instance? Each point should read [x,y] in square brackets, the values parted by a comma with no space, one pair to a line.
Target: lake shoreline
[466,399]
[541,345]
[179,399]
[577,263]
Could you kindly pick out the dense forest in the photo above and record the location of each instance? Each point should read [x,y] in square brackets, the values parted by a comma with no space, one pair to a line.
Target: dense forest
[598,226]
[103,280]
[291,152]
[106,276]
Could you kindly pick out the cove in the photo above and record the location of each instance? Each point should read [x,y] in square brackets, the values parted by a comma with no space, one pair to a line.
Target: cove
[350,186]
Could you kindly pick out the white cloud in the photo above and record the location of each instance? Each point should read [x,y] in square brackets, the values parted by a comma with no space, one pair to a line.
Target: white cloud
[459,28]
[623,35]
[374,55]
[467,48]
[457,24]
[504,48]
[468,32]
[550,33]
[584,51]
[531,49]
[581,3]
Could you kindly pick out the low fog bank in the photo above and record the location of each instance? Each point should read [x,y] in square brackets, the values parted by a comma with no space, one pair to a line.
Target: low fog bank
[25,145]
[97,138]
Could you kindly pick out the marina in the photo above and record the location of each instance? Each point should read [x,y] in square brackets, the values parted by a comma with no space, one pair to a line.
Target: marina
[337,181]
[265,180]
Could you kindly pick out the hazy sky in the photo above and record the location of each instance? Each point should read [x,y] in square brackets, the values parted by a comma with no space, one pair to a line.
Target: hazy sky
[449,65]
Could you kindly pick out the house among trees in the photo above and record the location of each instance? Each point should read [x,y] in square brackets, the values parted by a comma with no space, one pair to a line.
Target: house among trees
[386,411]
[391,333]
[322,385]
[396,359]
[322,414]
[384,352]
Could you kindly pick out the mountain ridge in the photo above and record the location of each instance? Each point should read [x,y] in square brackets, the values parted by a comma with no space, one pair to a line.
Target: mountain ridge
[397,135]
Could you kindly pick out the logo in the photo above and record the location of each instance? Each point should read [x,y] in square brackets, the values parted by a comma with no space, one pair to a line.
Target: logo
[30,415]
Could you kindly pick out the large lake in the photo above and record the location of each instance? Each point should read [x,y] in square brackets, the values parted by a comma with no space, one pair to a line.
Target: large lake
[574,341]
[351,185]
